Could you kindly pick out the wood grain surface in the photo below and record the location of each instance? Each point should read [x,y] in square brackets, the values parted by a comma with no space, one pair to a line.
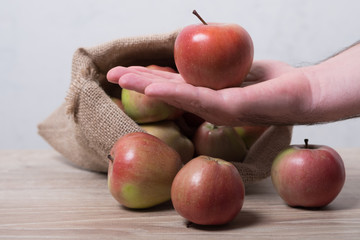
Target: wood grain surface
[42,196]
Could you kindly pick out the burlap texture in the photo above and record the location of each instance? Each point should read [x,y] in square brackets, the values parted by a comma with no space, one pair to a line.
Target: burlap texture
[85,127]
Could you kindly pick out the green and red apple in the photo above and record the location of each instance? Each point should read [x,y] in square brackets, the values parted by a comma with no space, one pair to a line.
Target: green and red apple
[144,109]
[170,133]
[309,176]
[213,55]
[141,170]
[208,191]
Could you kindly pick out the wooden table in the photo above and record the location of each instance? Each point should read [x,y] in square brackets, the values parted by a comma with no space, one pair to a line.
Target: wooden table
[42,196]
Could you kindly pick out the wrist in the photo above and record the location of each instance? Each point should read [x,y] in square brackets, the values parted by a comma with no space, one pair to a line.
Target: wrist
[334,87]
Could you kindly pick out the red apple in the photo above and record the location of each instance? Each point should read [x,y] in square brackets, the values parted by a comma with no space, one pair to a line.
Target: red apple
[208,191]
[250,134]
[141,170]
[219,142]
[170,133]
[213,55]
[308,175]
[144,109]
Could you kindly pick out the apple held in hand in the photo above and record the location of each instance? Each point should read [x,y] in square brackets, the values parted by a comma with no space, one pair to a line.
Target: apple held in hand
[308,176]
[141,170]
[144,109]
[250,134]
[219,142]
[208,191]
[170,133]
[213,55]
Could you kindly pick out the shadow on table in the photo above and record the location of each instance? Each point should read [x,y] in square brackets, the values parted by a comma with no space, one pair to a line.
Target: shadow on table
[158,208]
[244,219]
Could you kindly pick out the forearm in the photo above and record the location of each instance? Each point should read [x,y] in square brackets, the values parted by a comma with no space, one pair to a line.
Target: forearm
[335,86]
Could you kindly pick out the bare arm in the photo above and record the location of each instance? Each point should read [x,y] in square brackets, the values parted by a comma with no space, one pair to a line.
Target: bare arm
[336,86]
[328,91]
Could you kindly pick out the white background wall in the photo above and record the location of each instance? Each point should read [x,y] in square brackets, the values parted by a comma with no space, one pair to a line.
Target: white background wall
[38,38]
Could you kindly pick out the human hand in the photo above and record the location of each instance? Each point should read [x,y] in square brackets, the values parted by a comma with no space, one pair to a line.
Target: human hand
[272,93]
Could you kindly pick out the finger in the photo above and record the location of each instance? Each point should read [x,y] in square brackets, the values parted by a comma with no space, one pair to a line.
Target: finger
[138,81]
[172,91]
[257,72]
[201,101]
[262,70]
[153,71]
[116,73]
[135,82]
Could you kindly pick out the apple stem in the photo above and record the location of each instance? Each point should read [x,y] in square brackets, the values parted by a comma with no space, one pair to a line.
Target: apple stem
[201,19]
[306,143]
[110,157]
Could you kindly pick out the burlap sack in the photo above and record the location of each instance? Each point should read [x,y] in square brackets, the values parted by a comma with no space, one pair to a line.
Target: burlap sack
[86,126]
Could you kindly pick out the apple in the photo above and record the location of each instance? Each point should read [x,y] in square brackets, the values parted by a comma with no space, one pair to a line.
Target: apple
[250,134]
[208,191]
[219,142]
[214,55]
[141,170]
[162,68]
[144,109]
[309,176]
[170,133]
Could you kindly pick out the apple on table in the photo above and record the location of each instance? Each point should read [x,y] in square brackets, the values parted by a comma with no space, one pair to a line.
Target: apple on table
[141,170]
[309,176]
[208,191]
